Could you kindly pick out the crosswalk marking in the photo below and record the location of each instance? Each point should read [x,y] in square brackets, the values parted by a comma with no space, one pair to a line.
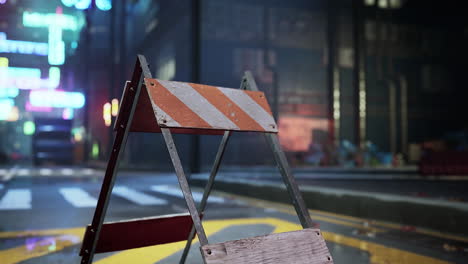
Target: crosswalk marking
[137,197]
[175,191]
[77,197]
[16,199]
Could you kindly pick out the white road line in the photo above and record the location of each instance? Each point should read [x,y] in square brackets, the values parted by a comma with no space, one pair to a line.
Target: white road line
[78,197]
[45,172]
[23,172]
[67,171]
[16,199]
[137,197]
[175,191]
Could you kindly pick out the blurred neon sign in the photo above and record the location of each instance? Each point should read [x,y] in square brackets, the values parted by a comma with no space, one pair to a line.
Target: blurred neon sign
[41,20]
[56,46]
[57,99]
[22,47]
[26,78]
[56,23]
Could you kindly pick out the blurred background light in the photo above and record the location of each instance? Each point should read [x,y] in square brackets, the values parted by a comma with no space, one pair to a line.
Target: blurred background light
[115,106]
[106,114]
[95,150]
[6,105]
[13,115]
[29,128]
[69,3]
[57,99]
[104,5]
[83,4]
[68,114]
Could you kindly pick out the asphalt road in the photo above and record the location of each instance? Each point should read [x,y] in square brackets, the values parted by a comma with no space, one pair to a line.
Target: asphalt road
[42,219]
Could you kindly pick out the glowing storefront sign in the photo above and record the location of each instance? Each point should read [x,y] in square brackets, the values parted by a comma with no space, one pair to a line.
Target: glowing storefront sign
[57,99]
[22,47]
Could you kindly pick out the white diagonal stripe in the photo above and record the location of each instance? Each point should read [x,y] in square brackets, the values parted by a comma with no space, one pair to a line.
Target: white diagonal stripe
[16,199]
[175,191]
[136,196]
[161,115]
[198,104]
[249,106]
[78,197]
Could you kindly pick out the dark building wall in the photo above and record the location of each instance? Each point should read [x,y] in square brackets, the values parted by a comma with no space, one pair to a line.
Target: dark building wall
[284,45]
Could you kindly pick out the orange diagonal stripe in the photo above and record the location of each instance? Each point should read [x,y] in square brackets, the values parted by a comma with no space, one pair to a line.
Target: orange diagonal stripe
[174,107]
[227,107]
[259,98]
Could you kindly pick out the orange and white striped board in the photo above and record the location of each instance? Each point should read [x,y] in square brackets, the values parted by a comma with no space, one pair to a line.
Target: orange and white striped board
[206,109]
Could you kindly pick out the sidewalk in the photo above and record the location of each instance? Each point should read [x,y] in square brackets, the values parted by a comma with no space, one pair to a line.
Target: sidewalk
[342,195]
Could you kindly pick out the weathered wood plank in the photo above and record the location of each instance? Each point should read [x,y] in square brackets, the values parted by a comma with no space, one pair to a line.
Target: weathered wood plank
[297,247]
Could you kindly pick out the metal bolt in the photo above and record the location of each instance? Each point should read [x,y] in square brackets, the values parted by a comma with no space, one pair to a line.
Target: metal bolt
[122,126]
[92,230]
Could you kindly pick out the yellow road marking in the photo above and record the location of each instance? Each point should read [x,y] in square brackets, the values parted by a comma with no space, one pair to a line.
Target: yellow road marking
[67,237]
[58,239]
[355,221]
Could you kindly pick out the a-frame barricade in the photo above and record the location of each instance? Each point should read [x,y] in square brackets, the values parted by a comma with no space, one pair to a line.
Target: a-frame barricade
[151,105]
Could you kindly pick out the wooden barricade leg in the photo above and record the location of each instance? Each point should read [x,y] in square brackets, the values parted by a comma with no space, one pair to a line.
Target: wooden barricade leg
[209,184]
[184,185]
[123,128]
[207,191]
[288,178]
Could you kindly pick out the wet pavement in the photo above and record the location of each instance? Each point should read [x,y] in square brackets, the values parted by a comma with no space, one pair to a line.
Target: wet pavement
[42,220]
